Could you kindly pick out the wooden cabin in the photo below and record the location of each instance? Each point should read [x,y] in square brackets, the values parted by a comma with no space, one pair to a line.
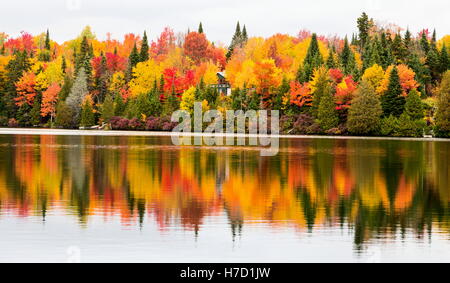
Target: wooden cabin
[222,85]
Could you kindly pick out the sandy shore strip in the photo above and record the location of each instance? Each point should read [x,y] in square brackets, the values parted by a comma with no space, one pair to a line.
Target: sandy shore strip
[64,132]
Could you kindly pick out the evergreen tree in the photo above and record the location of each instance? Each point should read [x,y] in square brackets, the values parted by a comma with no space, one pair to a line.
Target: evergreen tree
[154,103]
[423,76]
[133,60]
[87,114]
[119,105]
[398,49]
[200,28]
[433,38]
[47,40]
[107,109]
[385,51]
[364,116]
[239,39]
[254,102]
[348,61]
[364,25]
[444,59]
[15,68]
[331,62]
[171,104]
[313,60]
[433,63]
[327,115]
[424,44]
[66,88]
[35,113]
[63,65]
[442,116]
[392,101]
[373,56]
[144,56]
[244,34]
[323,88]
[408,39]
[414,106]
[101,80]
[83,59]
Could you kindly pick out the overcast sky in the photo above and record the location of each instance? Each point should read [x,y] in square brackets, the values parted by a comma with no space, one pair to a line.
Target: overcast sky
[66,18]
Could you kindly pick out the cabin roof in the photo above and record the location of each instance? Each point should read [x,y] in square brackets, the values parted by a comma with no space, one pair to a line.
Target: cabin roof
[221,75]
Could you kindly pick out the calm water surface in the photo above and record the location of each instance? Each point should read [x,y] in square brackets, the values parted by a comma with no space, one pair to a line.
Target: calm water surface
[140,199]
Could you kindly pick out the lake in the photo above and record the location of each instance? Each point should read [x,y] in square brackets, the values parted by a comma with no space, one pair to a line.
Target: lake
[141,199]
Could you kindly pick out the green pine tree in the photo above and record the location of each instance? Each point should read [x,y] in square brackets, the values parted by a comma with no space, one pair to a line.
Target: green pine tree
[313,60]
[107,109]
[200,28]
[444,60]
[364,25]
[323,88]
[66,87]
[14,71]
[348,61]
[87,114]
[414,106]
[119,105]
[392,101]
[63,65]
[47,40]
[424,44]
[327,115]
[144,55]
[35,113]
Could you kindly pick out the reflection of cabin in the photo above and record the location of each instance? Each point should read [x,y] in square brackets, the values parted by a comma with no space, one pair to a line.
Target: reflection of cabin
[223,86]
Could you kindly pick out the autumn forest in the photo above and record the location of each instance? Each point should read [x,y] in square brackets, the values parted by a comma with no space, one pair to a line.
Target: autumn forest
[382,80]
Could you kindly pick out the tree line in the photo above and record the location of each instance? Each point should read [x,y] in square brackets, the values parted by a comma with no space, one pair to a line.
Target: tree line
[382,81]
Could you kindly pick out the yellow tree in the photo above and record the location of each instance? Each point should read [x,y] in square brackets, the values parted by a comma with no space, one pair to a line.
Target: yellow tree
[246,76]
[144,76]
[188,99]
[374,75]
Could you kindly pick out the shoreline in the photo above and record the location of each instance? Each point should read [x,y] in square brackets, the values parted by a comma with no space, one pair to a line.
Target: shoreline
[116,133]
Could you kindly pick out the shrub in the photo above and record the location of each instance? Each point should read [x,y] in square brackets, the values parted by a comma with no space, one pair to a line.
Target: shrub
[118,123]
[135,124]
[305,125]
[287,123]
[12,123]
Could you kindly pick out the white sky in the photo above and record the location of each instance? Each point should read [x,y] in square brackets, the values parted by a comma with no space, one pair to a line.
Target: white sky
[66,18]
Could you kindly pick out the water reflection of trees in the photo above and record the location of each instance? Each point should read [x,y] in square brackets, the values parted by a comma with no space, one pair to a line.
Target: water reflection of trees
[375,188]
